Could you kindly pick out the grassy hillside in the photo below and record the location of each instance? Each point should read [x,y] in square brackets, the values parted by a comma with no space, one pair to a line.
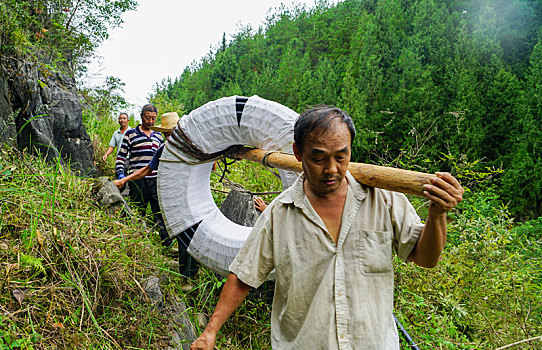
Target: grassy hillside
[72,274]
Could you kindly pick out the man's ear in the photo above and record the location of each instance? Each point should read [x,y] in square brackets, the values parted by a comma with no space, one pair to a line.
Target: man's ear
[297,153]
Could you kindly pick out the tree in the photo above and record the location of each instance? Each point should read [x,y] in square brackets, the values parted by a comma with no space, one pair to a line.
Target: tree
[106,100]
[61,33]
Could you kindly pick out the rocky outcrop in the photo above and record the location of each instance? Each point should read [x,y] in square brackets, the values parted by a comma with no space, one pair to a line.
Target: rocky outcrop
[109,197]
[42,112]
[7,120]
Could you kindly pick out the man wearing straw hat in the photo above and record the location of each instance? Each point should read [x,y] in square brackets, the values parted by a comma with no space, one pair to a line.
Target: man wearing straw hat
[330,241]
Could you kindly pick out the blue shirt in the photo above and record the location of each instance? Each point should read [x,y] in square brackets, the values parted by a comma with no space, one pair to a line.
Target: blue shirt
[155,161]
[116,139]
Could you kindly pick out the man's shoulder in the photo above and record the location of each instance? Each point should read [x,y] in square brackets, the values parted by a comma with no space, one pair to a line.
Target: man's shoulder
[130,131]
[125,131]
[158,135]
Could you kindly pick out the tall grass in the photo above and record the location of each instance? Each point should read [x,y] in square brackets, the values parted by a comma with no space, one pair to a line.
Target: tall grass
[486,292]
[72,274]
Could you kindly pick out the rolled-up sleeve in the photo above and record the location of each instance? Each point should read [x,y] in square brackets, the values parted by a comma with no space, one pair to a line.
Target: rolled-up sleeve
[406,224]
[254,261]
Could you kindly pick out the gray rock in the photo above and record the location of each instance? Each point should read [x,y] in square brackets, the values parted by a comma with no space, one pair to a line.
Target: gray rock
[152,288]
[202,320]
[239,208]
[109,196]
[184,333]
[8,134]
[48,116]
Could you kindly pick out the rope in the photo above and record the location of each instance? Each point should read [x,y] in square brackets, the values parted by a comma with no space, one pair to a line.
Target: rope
[180,142]
[252,193]
[266,164]
[225,171]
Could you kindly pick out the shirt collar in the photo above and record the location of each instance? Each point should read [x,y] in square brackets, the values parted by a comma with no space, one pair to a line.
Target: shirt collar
[138,129]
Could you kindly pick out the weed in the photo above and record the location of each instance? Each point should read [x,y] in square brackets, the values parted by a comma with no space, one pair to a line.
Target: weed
[71,271]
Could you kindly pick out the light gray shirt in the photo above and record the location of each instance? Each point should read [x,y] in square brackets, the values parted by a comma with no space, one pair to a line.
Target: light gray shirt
[327,295]
[116,139]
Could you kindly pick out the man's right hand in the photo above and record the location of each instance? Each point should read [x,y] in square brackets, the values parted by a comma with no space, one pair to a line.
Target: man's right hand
[205,341]
[259,204]
[232,295]
[104,158]
[119,183]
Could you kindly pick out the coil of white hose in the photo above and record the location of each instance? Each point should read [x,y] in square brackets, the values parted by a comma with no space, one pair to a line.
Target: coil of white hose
[183,181]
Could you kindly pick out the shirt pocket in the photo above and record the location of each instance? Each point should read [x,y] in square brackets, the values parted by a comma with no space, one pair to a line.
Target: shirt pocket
[375,250]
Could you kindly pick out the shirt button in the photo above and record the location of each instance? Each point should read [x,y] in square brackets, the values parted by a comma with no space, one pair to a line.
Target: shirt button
[340,294]
[342,336]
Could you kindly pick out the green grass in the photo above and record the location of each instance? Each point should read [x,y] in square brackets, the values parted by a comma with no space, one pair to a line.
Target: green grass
[76,269]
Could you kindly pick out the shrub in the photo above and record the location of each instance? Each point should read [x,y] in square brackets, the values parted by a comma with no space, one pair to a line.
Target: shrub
[486,291]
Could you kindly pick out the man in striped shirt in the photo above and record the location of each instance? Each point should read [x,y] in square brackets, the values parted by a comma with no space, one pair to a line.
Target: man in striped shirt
[139,145]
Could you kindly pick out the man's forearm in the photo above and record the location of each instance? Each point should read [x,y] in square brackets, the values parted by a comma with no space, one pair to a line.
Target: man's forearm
[233,294]
[108,152]
[431,242]
[445,193]
[139,174]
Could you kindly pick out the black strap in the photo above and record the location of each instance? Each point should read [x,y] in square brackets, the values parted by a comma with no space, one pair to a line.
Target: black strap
[240,102]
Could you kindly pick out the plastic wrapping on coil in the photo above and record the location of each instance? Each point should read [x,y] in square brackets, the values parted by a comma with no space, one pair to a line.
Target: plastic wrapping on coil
[184,187]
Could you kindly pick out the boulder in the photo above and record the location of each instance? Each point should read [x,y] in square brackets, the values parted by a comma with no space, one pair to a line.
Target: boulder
[109,196]
[239,208]
[184,333]
[48,116]
[8,133]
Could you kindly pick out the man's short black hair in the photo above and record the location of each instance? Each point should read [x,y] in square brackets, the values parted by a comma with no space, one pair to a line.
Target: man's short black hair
[149,108]
[320,119]
[126,114]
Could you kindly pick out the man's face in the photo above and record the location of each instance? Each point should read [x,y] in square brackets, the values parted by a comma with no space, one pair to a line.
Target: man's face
[147,119]
[123,120]
[325,158]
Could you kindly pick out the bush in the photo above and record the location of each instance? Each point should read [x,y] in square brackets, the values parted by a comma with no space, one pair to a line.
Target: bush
[486,291]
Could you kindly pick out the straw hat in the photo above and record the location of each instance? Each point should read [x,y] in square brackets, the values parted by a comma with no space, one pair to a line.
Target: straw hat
[168,122]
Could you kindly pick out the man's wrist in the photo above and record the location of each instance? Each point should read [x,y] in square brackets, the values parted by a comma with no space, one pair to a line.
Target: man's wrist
[435,211]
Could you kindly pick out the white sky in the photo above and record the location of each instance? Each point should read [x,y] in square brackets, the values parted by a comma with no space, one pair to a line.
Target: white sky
[162,37]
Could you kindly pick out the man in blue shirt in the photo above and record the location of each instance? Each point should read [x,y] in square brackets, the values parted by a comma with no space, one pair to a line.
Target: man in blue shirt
[118,135]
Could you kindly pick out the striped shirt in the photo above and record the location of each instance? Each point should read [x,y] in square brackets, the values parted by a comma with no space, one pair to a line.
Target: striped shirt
[139,149]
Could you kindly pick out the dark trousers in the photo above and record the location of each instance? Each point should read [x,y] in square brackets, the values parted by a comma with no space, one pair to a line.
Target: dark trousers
[142,193]
[188,266]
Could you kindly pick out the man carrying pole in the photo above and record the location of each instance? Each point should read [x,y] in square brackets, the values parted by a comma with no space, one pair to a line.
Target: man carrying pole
[330,241]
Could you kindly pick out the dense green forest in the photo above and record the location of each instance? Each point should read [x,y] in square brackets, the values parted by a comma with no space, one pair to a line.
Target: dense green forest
[428,83]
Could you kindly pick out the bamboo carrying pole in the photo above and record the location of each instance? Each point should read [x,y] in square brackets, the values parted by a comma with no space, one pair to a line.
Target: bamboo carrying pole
[388,178]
